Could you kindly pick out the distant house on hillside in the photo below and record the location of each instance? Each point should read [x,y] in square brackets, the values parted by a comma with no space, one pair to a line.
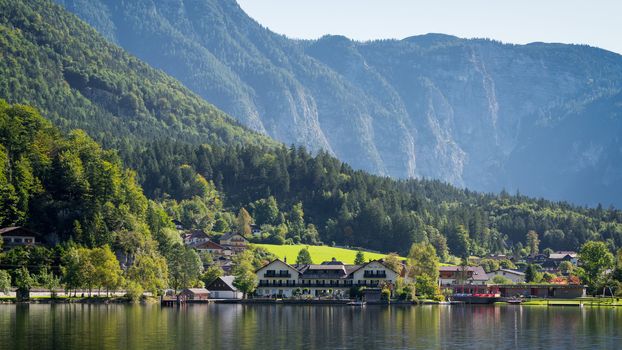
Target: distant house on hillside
[558,257]
[223,288]
[552,261]
[17,236]
[234,241]
[213,248]
[195,294]
[195,237]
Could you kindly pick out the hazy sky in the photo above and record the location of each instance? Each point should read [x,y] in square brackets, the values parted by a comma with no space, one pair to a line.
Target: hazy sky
[592,22]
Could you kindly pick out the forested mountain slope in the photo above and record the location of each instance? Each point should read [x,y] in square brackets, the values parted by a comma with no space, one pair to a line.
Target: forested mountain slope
[52,60]
[540,118]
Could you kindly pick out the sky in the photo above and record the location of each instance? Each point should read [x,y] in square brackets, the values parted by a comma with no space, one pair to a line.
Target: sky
[592,22]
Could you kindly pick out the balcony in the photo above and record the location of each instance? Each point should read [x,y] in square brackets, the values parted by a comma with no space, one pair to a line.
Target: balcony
[372,274]
[277,274]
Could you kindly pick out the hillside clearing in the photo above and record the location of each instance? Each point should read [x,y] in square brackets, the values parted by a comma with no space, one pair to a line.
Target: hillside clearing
[318,253]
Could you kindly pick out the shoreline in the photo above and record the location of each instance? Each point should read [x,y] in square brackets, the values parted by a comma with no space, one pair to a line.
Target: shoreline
[151,300]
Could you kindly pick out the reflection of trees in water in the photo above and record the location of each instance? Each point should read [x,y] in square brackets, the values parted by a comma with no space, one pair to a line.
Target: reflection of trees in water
[318,327]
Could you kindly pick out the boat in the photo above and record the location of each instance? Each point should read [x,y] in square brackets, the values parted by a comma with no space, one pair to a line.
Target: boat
[357,303]
[514,301]
[479,298]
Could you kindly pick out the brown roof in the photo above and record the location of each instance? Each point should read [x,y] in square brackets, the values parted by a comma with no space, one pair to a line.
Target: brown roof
[17,231]
[195,291]
[208,245]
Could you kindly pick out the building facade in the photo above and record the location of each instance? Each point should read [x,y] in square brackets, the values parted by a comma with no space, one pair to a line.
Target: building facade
[17,236]
[452,276]
[223,288]
[332,278]
[234,241]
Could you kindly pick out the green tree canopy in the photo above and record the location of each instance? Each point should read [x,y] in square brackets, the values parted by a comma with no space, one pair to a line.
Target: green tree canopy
[304,257]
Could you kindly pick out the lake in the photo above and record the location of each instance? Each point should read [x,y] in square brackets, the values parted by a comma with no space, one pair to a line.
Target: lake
[232,326]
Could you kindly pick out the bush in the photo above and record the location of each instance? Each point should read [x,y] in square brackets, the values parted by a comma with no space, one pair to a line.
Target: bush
[385,294]
[134,291]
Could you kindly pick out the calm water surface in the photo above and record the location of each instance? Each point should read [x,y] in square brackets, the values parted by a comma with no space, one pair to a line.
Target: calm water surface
[307,327]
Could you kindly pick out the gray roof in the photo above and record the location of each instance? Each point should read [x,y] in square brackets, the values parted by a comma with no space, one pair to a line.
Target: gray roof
[561,255]
[478,272]
[229,281]
[228,235]
[514,272]
[196,290]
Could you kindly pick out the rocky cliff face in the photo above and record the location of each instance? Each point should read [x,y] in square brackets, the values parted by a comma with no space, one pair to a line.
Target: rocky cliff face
[544,119]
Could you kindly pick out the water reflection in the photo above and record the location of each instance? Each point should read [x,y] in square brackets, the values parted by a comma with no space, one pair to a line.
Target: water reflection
[310,327]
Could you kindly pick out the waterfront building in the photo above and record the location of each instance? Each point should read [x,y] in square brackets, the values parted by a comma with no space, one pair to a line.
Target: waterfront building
[332,278]
[450,276]
[223,288]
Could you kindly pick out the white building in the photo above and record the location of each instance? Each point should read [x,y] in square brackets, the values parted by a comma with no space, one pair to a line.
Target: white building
[462,275]
[329,278]
[513,275]
[223,288]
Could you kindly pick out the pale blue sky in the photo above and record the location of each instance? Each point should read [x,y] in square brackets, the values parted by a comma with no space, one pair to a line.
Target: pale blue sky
[593,22]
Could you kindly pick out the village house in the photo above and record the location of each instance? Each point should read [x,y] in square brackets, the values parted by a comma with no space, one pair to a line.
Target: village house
[195,294]
[223,288]
[195,237]
[215,249]
[552,261]
[463,279]
[329,278]
[513,275]
[17,236]
[234,241]
[560,256]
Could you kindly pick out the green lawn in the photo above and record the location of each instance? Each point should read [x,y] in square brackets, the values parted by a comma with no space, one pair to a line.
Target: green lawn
[318,253]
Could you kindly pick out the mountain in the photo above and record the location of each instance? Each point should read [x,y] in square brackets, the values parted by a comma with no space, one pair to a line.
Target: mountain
[71,187]
[540,118]
[59,64]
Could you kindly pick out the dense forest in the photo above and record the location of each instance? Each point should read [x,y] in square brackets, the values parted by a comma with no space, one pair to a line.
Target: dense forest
[351,207]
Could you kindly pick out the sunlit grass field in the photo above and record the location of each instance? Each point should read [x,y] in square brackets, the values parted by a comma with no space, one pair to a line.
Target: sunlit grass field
[318,253]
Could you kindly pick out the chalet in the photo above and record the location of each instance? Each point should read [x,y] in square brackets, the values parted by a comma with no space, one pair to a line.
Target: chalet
[195,237]
[215,249]
[329,278]
[453,276]
[17,236]
[551,262]
[195,294]
[513,275]
[558,257]
[234,241]
[223,288]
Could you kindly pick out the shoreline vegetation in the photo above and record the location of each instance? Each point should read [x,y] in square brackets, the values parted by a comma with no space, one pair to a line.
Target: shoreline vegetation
[147,299]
